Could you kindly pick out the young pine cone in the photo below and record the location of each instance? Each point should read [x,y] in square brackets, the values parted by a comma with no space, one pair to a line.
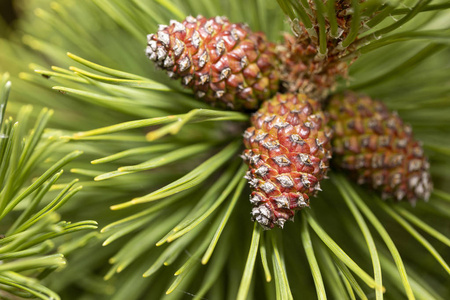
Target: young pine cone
[288,148]
[378,149]
[312,60]
[225,64]
[302,72]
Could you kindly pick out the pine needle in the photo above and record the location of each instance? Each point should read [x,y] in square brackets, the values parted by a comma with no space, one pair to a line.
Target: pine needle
[315,270]
[348,194]
[250,264]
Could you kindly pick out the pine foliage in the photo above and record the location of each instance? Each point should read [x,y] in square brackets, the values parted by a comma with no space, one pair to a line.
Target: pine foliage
[161,171]
[29,222]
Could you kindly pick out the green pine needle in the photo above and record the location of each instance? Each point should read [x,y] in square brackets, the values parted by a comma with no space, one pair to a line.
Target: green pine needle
[348,194]
[250,264]
[341,254]
[315,270]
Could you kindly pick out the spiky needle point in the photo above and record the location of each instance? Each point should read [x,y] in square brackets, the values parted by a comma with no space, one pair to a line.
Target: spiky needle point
[378,148]
[225,64]
[288,148]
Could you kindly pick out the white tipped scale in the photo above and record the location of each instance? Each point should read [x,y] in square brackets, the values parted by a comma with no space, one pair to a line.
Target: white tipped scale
[152,44]
[153,56]
[164,38]
[219,94]
[195,39]
[191,19]
[262,171]
[161,53]
[317,187]
[247,135]
[262,215]
[200,94]
[179,27]
[269,118]
[281,160]
[305,181]
[296,139]
[271,145]
[301,201]
[234,34]
[322,165]
[281,125]
[280,222]
[204,78]
[161,27]
[261,136]
[399,194]
[149,51]
[396,179]
[282,202]
[267,187]
[187,79]
[253,182]
[203,59]
[255,159]
[168,62]
[178,47]
[220,47]
[226,72]
[255,199]
[209,26]
[184,64]
[219,20]
[413,181]
[414,165]
[304,158]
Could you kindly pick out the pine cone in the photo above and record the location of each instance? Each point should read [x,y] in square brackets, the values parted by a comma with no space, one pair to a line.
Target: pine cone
[303,71]
[378,148]
[225,64]
[288,149]
[304,68]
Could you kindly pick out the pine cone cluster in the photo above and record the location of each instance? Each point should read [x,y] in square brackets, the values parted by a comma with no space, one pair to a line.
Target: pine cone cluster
[295,132]
[225,64]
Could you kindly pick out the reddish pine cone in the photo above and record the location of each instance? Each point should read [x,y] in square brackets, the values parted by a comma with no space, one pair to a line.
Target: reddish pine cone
[225,64]
[378,148]
[288,148]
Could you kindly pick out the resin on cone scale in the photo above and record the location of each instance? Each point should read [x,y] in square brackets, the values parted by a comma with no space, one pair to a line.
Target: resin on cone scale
[378,149]
[225,64]
[288,148]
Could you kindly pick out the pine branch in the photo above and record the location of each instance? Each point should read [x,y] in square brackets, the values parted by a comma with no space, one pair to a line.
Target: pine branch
[28,216]
[168,164]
